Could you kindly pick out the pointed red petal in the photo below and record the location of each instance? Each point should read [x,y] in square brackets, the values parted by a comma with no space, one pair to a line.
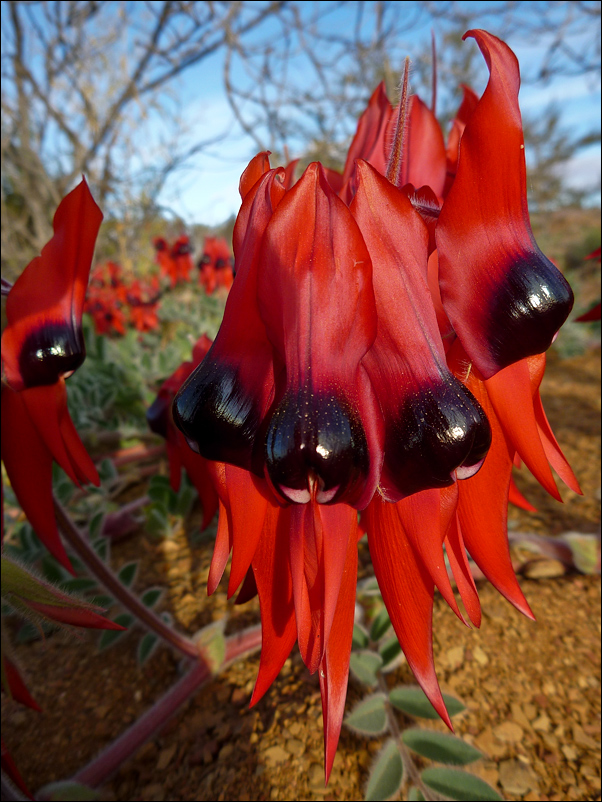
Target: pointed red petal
[511,395]
[248,507]
[458,560]
[593,314]
[370,141]
[468,105]
[483,509]
[407,591]
[432,425]
[257,167]
[420,516]
[28,463]
[17,687]
[221,550]
[316,300]
[516,497]
[43,338]
[334,669]
[505,300]
[73,616]
[274,585]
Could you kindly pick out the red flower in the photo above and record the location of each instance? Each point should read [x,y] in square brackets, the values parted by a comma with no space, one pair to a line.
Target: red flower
[215,265]
[180,455]
[41,346]
[340,381]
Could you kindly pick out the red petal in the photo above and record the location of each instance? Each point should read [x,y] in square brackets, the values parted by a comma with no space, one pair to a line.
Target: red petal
[222,404]
[274,585]
[28,463]
[483,509]
[505,300]
[516,497]
[456,553]
[432,425]
[257,167]
[319,538]
[511,395]
[588,317]
[73,616]
[468,105]
[370,140]
[407,591]
[316,300]
[424,159]
[420,517]
[18,689]
[43,338]
[334,668]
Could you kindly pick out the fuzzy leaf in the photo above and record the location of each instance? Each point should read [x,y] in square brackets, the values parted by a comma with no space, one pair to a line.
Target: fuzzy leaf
[391,653]
[460,785]
[364,666]
[151,596]
[415,795]
[146,647]
[410,699]
[369,717]
[127,573]
[110,637]
[380,625]
[386,773]
[361,639]
[441,747]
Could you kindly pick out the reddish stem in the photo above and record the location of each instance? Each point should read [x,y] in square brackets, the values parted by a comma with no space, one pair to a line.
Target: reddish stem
[107,763]
[395,165]
[129,601]
[135,454]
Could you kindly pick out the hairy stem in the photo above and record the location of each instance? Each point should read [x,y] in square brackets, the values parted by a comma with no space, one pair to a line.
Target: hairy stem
[128,600]
[151,722]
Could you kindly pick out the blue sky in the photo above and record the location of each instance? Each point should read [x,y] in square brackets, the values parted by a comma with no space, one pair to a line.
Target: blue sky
[208,190]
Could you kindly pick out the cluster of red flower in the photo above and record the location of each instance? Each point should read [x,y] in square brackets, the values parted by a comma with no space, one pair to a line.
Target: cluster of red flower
[381,350]
[175,263]
[114,303]
[216,265]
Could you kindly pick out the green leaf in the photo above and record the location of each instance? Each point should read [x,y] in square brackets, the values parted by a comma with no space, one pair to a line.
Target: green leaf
[106,469]
[148,644]
[415,795]
[364,666]
[127,573]
[111,636]
[95,525]
[411,699]
[52,571]
[390,653]
[151,596]
[380,625]
[104,601]
[460,785]
[441,747]
[79,584]
[101,547]
[386,773]
[369,717]
[361,639]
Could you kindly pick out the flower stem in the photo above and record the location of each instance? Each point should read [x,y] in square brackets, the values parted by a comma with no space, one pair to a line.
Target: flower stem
[395,165]
[410,770]
[107,763]
[129,601]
